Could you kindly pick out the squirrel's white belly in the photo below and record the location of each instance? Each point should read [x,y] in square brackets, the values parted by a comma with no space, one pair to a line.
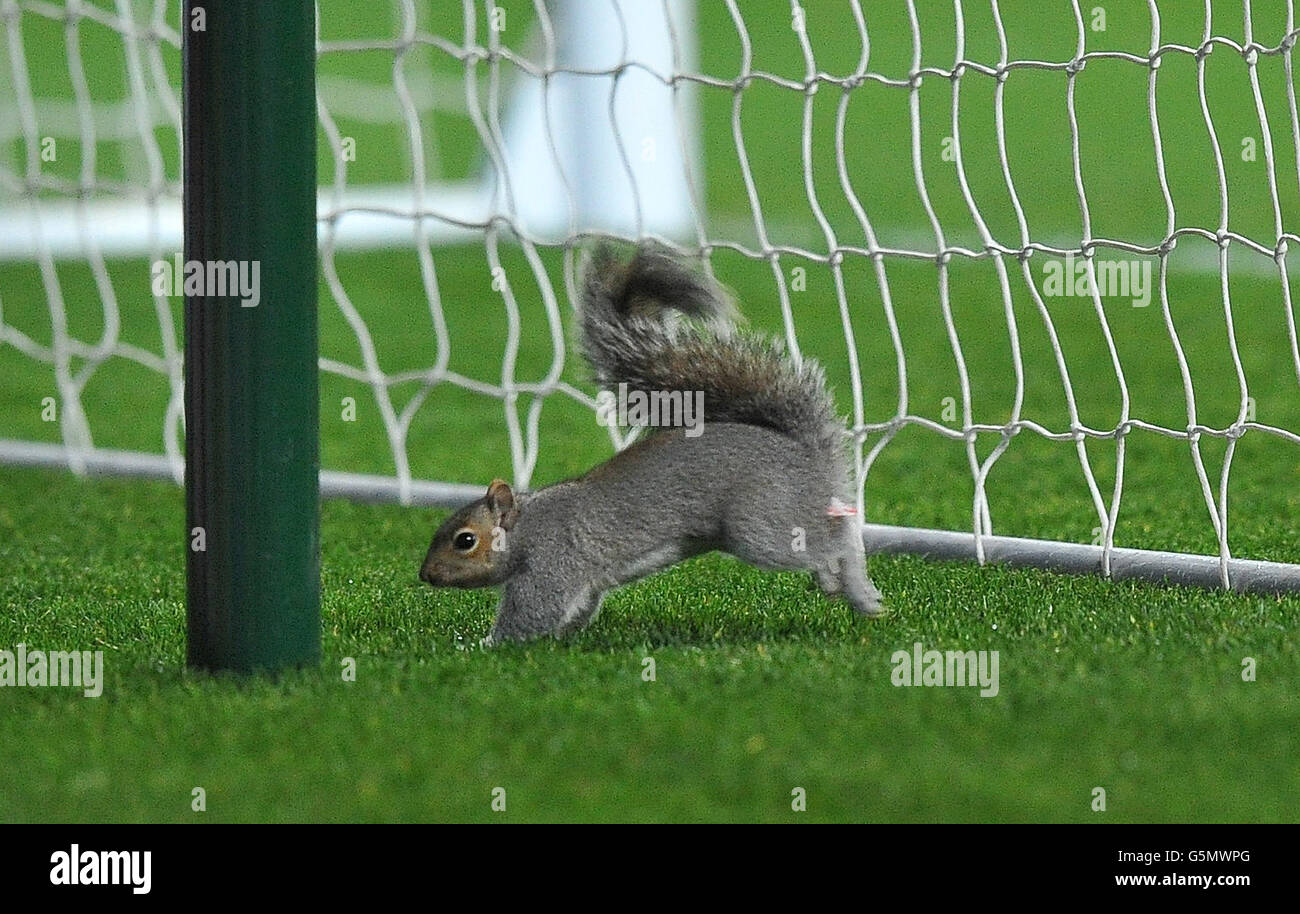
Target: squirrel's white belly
[648,563]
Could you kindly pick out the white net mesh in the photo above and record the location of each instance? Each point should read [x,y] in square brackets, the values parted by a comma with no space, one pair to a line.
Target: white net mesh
[44,214]
[443,88]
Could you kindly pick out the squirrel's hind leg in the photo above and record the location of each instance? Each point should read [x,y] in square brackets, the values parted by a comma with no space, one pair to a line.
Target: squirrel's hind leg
[854,584]
[828,578]
[857,588]
[862,595]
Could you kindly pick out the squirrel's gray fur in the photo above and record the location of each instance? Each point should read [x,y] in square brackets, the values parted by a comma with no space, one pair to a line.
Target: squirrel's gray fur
[745,378]
[756,483]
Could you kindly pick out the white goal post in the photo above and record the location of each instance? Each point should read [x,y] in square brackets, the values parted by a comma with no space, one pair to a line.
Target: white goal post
[592,128]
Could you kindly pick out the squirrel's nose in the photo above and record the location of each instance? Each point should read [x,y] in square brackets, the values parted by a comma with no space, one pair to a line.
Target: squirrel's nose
[426,575]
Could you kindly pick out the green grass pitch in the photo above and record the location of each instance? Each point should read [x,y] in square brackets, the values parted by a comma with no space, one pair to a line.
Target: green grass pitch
[761,685]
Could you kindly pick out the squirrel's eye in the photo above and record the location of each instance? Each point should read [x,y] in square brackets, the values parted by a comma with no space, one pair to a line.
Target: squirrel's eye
[465,541]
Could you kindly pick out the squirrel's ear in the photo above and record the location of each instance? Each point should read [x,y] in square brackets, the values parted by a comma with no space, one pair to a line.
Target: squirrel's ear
[501,501]
[499,494]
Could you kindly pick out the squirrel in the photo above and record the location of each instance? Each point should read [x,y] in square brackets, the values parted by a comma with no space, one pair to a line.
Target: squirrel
[767,480]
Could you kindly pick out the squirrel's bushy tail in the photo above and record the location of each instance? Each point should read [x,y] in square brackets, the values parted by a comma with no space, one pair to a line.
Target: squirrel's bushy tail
[630,338]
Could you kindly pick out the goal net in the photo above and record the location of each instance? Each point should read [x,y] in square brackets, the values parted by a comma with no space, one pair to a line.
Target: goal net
[1042,249]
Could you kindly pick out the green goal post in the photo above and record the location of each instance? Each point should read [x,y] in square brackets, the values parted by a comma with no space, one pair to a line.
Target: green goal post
[251,385]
